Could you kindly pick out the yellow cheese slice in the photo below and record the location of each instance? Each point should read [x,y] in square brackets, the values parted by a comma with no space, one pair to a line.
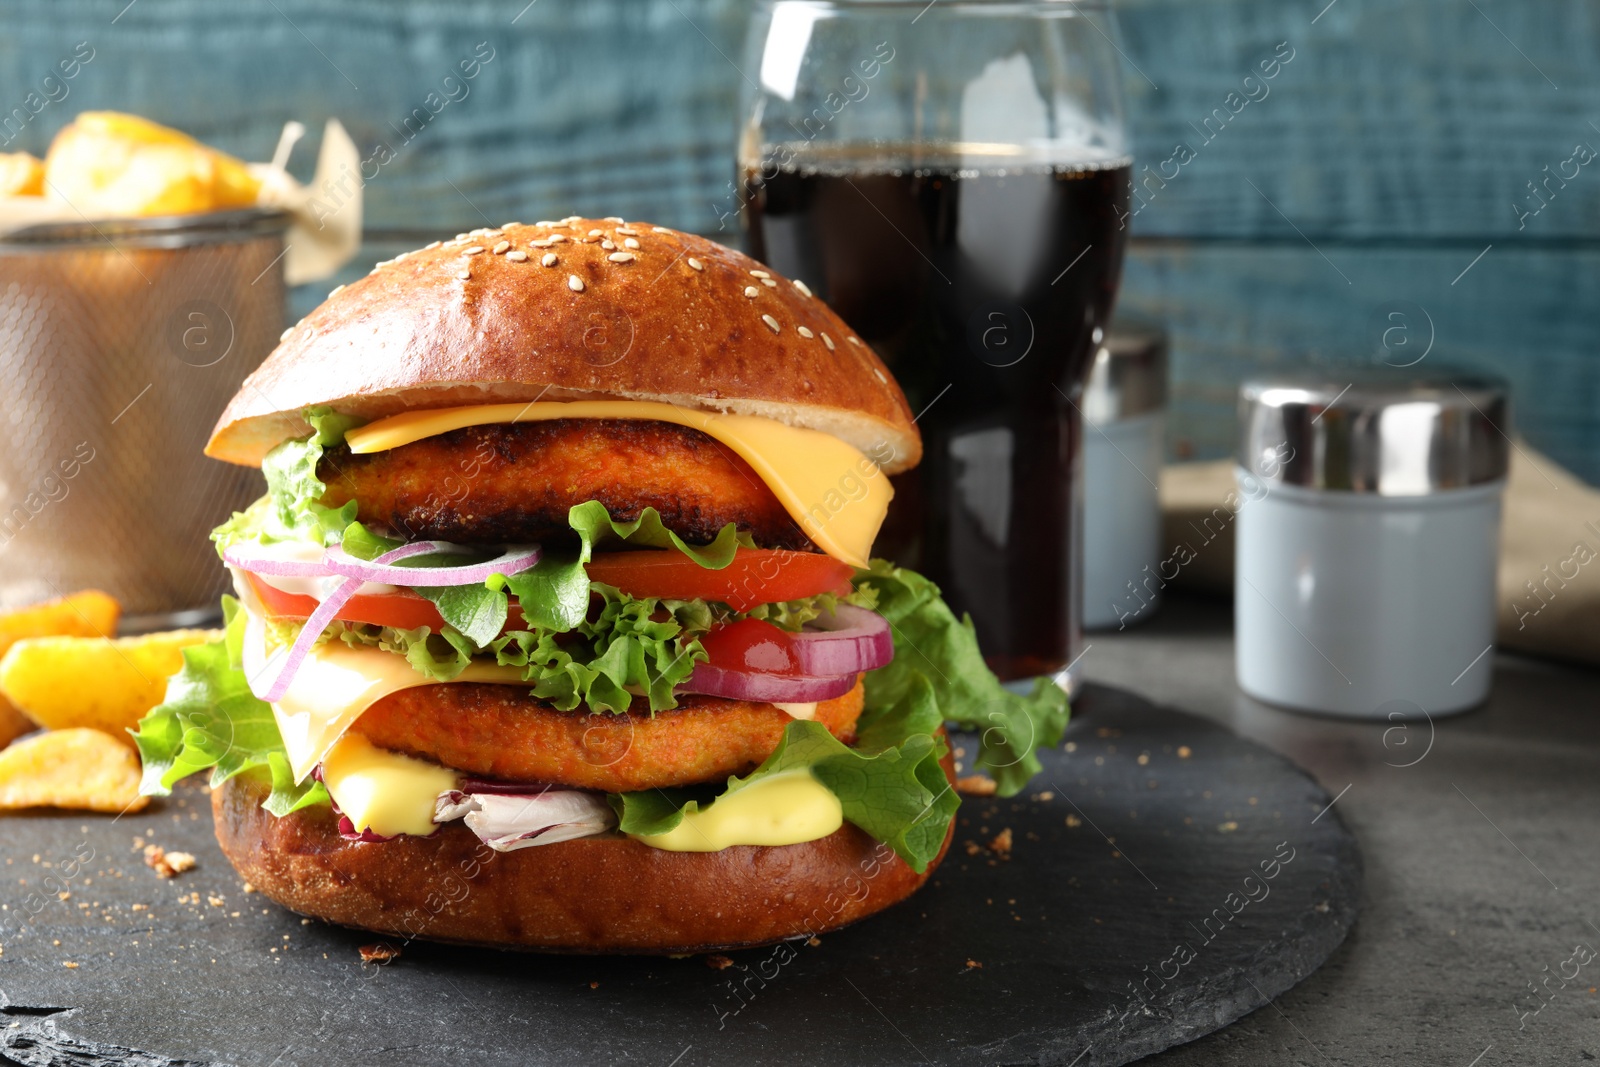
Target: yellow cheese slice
[835,493]
[383,791]
[786,809]
[336,684]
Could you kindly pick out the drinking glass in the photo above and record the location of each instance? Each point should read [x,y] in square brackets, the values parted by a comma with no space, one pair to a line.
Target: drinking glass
[953,178]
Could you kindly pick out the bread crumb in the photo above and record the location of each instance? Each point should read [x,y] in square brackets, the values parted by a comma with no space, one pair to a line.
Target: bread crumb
[377,952]
[594,985]
[1044,798]
[167,864]
[248,888]
[974,965]
[976,785]
[1000,844]
[1227,827]
[973,848]
[718,963]
[1144,759]
[1184,752]
[69,965]
[814,941]
[1073,822]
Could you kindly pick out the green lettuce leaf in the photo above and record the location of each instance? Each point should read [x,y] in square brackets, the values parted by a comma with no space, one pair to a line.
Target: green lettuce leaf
[211,720]
[932,645]
[292,509]
[890,784]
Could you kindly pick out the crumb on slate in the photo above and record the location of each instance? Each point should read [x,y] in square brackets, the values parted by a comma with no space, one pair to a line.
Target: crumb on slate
[167,864]
[719,963]
[974,965]
[1000,844]
[976,785]
[377,952]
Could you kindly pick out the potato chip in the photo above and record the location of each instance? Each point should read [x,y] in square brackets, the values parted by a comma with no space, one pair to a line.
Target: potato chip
[21,174]
[80,769]
[107,162]
[90,613]
[104,684]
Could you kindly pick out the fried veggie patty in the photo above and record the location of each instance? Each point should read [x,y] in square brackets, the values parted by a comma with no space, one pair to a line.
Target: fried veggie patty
[498,731]
[515,483]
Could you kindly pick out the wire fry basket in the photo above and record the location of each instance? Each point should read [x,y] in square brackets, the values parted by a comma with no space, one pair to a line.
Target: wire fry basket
[120,342]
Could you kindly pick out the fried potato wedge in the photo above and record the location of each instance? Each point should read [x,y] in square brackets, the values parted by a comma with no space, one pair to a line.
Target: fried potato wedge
[96,682]
[89,613]
[112,163]
[81,769]
[21,174]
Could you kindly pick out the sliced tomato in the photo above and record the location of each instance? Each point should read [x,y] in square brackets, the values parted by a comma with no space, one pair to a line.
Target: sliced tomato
[752,645]
[756,576]
[404,610]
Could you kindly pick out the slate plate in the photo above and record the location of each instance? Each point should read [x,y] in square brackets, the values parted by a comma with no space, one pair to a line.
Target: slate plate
[1131,913]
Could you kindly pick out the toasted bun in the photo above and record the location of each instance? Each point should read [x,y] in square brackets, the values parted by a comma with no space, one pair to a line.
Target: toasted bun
[605,894]
[439,328]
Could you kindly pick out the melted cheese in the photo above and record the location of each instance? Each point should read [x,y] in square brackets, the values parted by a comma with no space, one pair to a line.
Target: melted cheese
[786,809]
[384,791]
[798,711]
[834,492]
[335,684]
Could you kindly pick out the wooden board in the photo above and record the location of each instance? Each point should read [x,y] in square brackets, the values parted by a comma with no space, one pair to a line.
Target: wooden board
[1164,878]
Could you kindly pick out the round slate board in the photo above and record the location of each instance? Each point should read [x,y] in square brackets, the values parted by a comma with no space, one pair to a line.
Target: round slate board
[1164,878]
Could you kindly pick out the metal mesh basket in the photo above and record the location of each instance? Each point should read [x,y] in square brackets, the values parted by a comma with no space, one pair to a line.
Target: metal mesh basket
[120,343]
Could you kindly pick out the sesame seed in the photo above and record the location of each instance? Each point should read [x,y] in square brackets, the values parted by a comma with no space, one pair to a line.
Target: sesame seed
[431,245]
[663,229]
[613,218]
[629,242]
[543,242]
[695,264]
[575,283]
[759,274]
[771,322]
[803,287]
[482,231]
[879,373]
[500,248]
[596,233]
[518,256]
[626,231]
[473,250]
[557,238]
[853,340]
[608,246]
[508,225]
[284,336]
[549,259]
[769,283]
[462,236]
[828,341]
[621,257]
[336,291]
[806,333]
[546,223]
[570,219]
[751,291]
[464,275]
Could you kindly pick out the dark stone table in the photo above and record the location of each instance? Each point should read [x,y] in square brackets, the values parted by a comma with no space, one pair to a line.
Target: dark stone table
[1481,839]
[1162,878]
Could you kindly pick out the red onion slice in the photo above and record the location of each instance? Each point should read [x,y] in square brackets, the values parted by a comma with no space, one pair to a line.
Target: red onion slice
[514,560]
[313,628]
[766,688]
[270,560]
[849,641]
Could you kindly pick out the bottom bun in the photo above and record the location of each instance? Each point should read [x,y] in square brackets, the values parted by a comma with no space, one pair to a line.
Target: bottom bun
[606,894]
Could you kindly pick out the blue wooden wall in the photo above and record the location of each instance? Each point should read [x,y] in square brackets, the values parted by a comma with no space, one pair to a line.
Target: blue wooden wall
[1396,146]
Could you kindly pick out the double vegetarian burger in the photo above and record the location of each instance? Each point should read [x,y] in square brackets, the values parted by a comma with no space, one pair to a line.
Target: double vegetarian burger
[558,627]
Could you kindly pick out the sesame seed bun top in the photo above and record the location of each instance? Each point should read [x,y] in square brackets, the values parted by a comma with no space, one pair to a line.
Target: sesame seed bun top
[579,309]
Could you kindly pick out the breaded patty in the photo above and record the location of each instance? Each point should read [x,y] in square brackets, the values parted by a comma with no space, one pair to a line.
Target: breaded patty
[498,731]
[516,483]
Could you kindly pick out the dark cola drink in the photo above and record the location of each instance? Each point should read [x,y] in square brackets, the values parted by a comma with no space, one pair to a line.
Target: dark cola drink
[983,283]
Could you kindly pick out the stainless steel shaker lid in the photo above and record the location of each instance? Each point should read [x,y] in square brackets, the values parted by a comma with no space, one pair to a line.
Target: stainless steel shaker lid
[1393,433]
[1128,376]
